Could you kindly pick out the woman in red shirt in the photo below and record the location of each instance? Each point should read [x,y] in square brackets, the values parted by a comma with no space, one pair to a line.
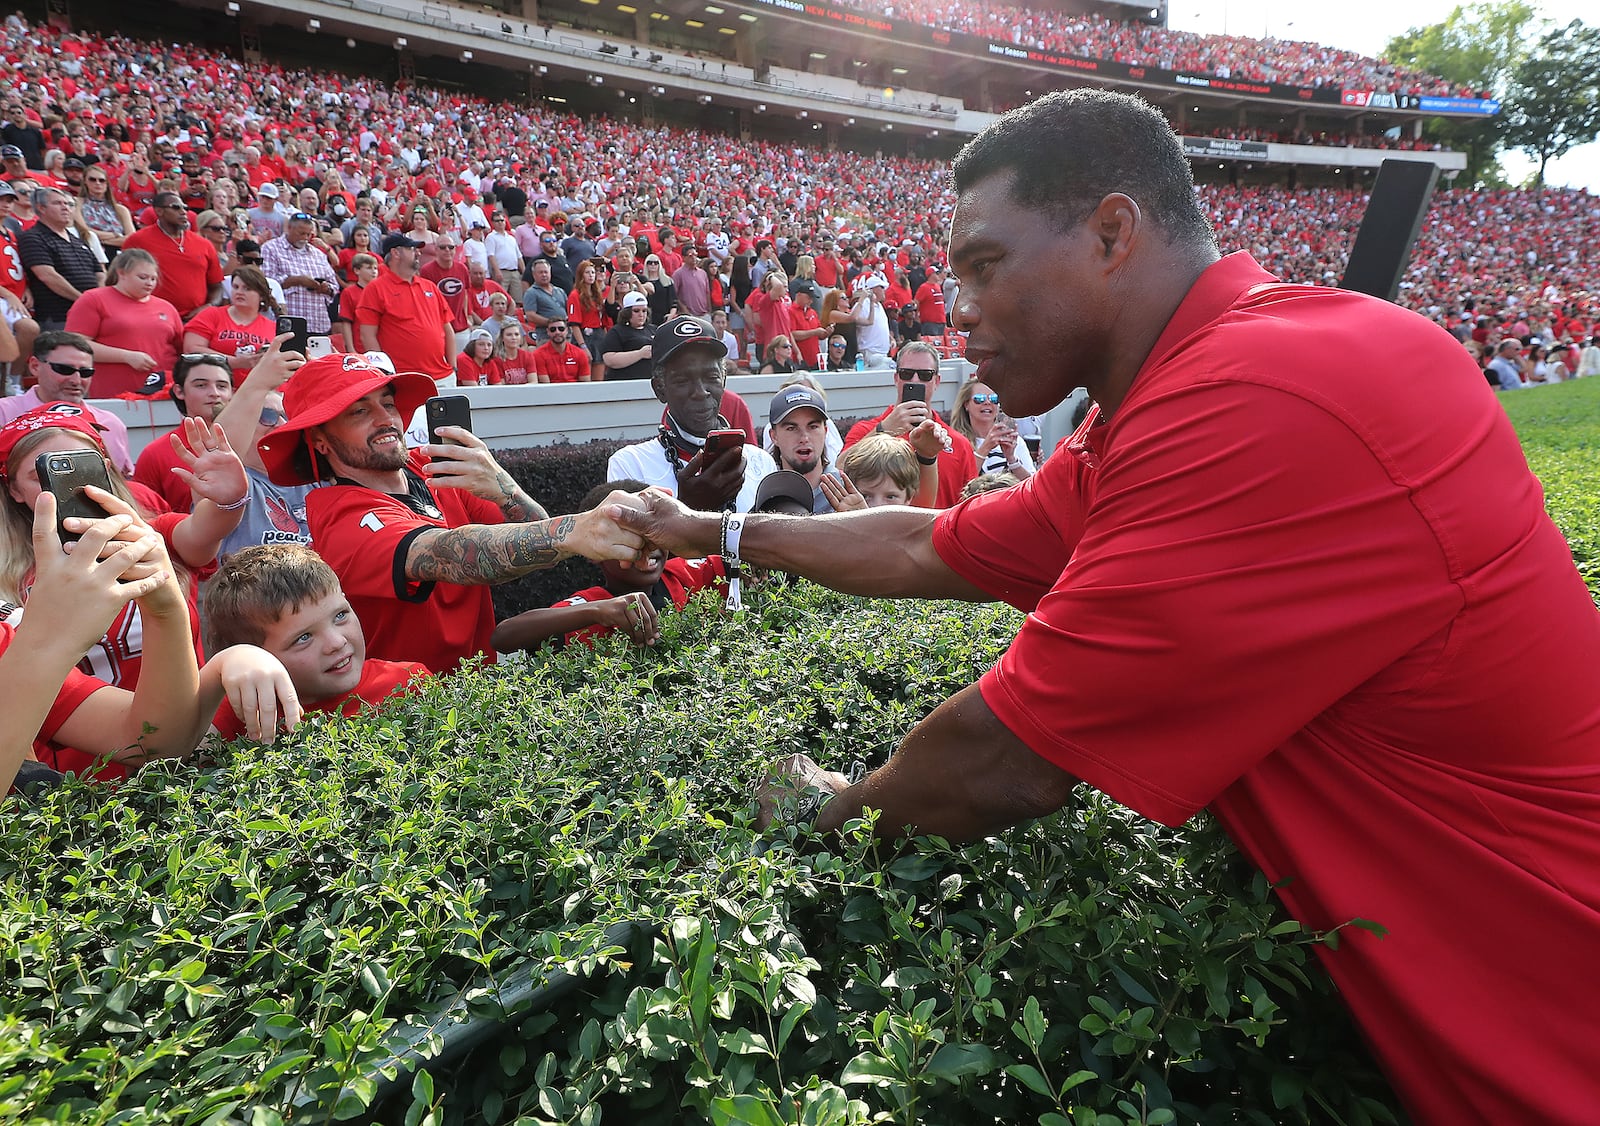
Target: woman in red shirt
[476,365]
[512,360]
[134,332]
[586,308]
[240,330]
[360,243]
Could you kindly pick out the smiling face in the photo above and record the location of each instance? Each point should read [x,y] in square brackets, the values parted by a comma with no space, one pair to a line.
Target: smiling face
[982,407]
[321,647]
[69,384]
[368,434]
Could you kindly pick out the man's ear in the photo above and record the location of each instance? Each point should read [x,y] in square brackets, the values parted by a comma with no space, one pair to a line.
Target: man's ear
[1116,222]
[316,441]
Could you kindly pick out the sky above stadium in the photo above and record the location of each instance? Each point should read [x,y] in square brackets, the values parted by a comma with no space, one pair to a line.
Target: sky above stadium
[1367,26]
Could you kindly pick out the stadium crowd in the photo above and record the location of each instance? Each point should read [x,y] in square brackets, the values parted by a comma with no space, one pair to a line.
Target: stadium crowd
[163,207]
[1288,62]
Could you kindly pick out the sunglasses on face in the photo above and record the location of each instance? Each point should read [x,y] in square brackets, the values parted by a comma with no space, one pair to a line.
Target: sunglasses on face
[270,417]
[70,369]
[557,328]
[926,375]
[250,259]
[986,398]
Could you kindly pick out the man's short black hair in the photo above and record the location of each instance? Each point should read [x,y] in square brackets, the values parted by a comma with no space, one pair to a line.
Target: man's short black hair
[1070,149]
[594,496]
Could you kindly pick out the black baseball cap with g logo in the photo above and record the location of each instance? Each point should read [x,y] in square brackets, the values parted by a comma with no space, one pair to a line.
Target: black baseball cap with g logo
[680,332]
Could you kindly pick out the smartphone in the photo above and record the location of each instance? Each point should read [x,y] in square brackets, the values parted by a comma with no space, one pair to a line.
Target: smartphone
[319,346]
[914,392]
[719,441]
[65,474]
[300,340]
[447,410]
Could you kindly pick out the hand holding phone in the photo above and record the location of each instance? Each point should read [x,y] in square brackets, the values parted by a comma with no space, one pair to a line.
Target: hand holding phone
[447,410]
[719,442]
[914,392]
[65,474]
[299,334]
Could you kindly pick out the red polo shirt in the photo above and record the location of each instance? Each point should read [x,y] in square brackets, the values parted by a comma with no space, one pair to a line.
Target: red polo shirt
[957,465]
[569,365]
[1286,585]
[411,318]
[189,267]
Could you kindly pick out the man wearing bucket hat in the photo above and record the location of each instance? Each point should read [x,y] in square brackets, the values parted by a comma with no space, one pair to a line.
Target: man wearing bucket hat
[688,372]
[415,542]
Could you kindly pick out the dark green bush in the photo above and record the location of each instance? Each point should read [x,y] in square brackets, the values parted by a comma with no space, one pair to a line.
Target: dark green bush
[250,942]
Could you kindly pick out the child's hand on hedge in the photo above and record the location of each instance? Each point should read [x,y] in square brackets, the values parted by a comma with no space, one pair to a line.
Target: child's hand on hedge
[632,614]
[259,691]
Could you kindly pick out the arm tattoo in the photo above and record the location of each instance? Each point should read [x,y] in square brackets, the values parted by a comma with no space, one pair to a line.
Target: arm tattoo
[516,504]
[475,554]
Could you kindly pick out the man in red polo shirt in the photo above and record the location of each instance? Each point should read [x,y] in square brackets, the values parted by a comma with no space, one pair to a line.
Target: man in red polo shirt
[558,359]
[1267,579]
[442,269]
[406,317]
[416,542]
[191,274]
[917,362]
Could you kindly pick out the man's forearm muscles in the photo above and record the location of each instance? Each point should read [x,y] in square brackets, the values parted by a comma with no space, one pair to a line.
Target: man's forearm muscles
[484,553]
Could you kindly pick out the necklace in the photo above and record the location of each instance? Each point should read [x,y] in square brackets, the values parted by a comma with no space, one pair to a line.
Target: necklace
[177,238]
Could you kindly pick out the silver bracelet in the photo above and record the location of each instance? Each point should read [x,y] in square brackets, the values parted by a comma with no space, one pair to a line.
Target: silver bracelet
[236,505]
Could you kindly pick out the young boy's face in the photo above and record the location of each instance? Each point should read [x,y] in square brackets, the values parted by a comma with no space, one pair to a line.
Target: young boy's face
[625,575]
[881,491]
[322,647]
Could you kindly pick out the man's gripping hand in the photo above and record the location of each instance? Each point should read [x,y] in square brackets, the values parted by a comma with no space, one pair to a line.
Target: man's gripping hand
[604,532]
[661,520]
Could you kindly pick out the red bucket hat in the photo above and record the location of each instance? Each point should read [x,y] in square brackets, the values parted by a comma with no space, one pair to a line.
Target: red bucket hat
[320,391]
[51,416]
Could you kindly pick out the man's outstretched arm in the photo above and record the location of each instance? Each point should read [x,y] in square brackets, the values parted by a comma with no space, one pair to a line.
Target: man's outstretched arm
[477,554]
[886,552]
[959,774]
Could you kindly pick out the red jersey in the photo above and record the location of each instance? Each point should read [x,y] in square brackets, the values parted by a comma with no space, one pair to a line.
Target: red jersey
[516,370]
[1285,586]
[478,299]
[109,316]
[12,276]
[379,680]
[957,465]
[189,265]
[680,579]
[569,365]
[364,536]
[153,470]
[470,373]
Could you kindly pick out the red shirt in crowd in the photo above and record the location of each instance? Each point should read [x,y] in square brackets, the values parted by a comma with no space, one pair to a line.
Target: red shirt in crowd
[379,680]
[225,335]
[470,373]
[364,535]
[452,283]
[189,265]
[411,319]
[516,370]
[957,465]
[1286,587]
[568,365]
[930,303]
[680,579]
[154,468]
[77,688]
[112,318]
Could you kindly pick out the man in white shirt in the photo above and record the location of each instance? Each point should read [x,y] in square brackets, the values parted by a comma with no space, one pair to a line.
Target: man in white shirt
[689,365]
[872,323]
[1589,361]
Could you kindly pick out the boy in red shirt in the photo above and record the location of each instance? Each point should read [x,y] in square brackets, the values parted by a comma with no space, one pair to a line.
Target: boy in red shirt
[630,599]
[283,598]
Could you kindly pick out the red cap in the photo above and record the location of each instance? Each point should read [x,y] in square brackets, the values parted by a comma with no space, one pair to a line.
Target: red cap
[51,416]
[319,391]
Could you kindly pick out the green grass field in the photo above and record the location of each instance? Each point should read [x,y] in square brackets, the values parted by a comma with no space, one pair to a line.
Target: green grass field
[1560,431]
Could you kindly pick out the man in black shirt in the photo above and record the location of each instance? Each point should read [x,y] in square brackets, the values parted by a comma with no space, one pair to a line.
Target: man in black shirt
[28,138]
[60,265]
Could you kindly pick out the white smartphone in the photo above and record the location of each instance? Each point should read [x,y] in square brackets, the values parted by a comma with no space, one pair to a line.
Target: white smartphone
[318,346]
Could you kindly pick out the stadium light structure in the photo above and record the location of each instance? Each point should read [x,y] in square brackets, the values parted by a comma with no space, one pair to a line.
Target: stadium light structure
[400,42]
[466,56]
[313,26]
[233,8]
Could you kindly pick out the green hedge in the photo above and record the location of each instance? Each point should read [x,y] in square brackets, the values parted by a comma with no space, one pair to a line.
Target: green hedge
[230,944]
[251,942]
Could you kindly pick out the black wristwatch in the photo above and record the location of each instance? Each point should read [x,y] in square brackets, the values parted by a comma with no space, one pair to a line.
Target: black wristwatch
[934,460]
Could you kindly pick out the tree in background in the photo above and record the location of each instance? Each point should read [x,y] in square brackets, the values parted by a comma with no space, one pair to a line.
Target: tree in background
[1479,46]
[1553,103]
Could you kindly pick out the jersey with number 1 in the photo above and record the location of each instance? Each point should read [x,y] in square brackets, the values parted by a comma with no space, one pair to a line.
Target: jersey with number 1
[365,536]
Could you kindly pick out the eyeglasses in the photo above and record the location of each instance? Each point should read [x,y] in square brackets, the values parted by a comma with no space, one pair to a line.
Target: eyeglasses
[986,398]
[250,260]
[217,227]
[926,375]
[786,346]
[837,347]
[270,417]
[70,369]
[557,328]
[174,203]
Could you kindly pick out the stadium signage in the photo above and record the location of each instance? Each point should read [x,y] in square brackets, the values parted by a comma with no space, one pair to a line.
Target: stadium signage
[1218,148]
[904,31]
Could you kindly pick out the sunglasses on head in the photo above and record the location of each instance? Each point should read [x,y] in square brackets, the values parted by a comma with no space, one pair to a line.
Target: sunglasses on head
[926,375]
[70,369]
[985,398]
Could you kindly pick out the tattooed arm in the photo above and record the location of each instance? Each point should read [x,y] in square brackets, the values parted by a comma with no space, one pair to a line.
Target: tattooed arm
[467,464]
[476,554]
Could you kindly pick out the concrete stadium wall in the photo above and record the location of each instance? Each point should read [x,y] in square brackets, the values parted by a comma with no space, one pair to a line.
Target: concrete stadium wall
[551,413]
